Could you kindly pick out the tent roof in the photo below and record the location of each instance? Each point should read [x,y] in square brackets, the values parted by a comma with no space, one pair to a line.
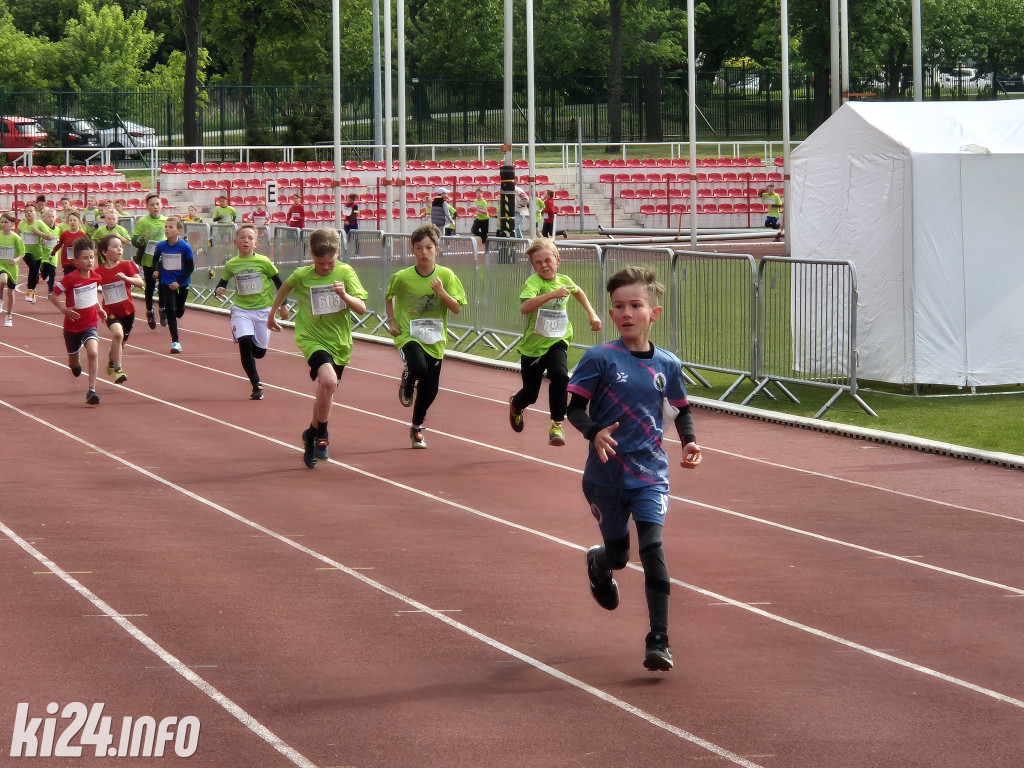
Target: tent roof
[944,127]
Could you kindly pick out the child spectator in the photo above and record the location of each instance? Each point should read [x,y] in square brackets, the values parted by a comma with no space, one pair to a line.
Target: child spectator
[116,278]
[417,301]
[12,250]
[260,217]
[326,291]
[548,215]
[296,213]
[192,216]
[173,264]
[65,247]
[441,212]
[255,282]
[223,213]
[81,314]
[148,231]
[350,212]
[481,217]
[625,385]
[548,334]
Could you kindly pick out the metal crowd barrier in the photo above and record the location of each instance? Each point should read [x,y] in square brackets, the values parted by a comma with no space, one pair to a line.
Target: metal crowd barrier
[459,254]
[584,263]
[716,296]
[203,282]
[499,323]
[807,327]
[366,251]
[660,261]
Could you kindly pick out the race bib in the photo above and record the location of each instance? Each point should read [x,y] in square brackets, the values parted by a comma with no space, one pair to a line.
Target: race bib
[29,238]
[69,253]
[551,323]
[323,300]
[115,293]
[151,247]
[6,252]
[50,243]
[90,218]
[427,329]
[171,262]
[249,283]
[85,296]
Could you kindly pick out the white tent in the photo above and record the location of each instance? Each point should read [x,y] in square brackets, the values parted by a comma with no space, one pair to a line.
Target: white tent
[926,200]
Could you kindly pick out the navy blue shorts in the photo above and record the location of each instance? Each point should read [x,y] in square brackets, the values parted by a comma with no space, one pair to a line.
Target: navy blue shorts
[612,507]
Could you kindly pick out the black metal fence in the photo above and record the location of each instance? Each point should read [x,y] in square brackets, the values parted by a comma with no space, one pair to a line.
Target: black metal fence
[732,104]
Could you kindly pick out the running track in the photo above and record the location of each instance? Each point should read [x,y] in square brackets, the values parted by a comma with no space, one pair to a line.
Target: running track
[837,604]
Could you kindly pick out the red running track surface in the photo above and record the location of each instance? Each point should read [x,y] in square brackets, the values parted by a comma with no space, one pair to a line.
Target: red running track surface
[835,603]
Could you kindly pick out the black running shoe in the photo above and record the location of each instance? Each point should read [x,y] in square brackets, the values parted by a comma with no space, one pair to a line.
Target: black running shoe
[515,418]
[320,448]
[605,590]
[150,319]
[405,392]
[659,656]
[308,438]
[91,398]
[163,316]
[257,393]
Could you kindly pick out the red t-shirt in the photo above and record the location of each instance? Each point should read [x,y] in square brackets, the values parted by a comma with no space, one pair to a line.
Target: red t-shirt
[111,276]
[549,210]
[296,216]
[77,291]
[65,246]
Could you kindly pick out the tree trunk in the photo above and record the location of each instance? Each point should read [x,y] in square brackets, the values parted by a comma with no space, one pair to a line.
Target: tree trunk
[615,73]
[821,106]
[650,73]
[193,42]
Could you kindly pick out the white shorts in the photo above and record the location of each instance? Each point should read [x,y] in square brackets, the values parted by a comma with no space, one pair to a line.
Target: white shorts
[251,322]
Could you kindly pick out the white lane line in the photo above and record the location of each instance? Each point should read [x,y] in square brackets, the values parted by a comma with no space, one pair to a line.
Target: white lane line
[714,596]
[875,553]
[145,640]
[471,395]
[417,606]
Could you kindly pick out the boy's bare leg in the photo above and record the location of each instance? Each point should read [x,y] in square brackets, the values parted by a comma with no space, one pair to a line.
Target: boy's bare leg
[116,344]
[326,386]
[92,357]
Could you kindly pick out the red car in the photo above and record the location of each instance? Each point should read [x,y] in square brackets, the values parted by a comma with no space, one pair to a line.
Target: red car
[20,133]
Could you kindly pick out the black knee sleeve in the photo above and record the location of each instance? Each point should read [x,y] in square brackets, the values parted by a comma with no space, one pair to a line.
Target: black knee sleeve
[617,553]
[652,557]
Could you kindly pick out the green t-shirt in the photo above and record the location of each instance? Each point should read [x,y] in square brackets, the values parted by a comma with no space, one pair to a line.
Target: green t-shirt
[773,201]
[549,323]
[323,321]
[223,215]
[480,205]
[419,312]
[147,228]
[11,248]
[33,249]
[102,231]
[47,245]
[254,288]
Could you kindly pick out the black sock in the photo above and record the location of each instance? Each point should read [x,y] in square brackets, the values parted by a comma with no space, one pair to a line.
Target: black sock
[321,429]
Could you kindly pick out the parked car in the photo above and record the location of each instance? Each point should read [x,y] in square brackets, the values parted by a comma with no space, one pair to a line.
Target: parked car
[69,132]
[17,133]
[966,78]
[131,136]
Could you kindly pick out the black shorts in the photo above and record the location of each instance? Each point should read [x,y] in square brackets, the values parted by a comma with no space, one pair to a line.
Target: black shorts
[10,281]
[73,342]
[125,322]
[320,357]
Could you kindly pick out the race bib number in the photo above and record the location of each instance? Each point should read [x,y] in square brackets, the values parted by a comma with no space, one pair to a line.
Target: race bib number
[90,218]
[428,330]
[171,262]
[50,243]
[551,323]
[29,238]
[69,253]
[85,296]
[323,300]
[115,293]
[151,247]
[6,252]
[249,283]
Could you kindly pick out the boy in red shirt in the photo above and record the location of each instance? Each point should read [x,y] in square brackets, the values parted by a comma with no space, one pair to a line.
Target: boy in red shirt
[66,241]
[116,279]
[80,289]
[296,213]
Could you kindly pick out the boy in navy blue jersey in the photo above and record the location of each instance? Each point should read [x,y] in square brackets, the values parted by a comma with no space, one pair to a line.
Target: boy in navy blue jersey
[172,266]
[618,396]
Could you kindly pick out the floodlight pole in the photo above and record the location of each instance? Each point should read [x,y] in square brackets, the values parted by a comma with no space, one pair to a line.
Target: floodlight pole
[378,128]
[402,153]
[389,121]
[784,13]
[336,96]
[691,79]
[835,95]
[844,47]
[531,127]
[506,210]
[915,36]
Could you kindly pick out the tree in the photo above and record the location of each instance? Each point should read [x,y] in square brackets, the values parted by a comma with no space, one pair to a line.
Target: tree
[103,47]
